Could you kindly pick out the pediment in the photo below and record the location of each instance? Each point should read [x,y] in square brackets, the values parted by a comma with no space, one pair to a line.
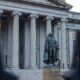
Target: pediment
[61,3]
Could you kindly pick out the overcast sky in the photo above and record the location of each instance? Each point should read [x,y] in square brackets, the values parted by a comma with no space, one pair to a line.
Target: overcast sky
[75,4]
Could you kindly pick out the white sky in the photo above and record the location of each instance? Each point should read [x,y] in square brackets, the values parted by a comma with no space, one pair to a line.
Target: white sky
[75,4]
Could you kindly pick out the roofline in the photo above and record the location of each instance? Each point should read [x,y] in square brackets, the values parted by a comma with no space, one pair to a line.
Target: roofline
[37,3]
[65,4]
[74,12]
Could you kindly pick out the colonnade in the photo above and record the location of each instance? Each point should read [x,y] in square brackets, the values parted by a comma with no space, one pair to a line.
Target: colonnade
[15,42]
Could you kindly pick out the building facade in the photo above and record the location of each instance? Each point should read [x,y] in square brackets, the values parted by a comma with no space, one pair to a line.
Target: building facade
[24,26]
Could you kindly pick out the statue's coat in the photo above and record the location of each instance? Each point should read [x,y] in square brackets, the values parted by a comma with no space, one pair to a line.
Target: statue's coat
[51,48]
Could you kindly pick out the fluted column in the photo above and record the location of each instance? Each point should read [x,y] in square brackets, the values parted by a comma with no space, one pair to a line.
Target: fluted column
[59,37]
[63,44]
[15,48]
[48,25]
[33,40]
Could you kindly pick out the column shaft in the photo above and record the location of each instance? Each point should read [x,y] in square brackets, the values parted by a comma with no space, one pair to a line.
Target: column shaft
[33,41]
[15,48]
[63,44]
[48,25]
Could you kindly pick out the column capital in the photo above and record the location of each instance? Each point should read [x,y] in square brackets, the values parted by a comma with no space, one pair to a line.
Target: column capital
[59,23]
[16,13]
[33,15]
[64,20]
[1,11]
[49,17]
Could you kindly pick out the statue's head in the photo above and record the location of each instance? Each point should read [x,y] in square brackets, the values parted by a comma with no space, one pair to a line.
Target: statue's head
[50,35]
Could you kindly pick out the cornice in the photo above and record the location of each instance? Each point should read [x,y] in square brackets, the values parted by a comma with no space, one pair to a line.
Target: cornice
[61,2]
[50,5]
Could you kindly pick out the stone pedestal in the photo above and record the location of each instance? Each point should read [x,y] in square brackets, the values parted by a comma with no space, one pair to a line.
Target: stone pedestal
[46,72]
[51,74]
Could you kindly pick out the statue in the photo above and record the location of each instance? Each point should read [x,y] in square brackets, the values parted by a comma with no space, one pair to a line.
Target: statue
[51,50]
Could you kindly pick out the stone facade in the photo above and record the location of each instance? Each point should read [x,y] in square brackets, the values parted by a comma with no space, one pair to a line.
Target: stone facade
[24,26]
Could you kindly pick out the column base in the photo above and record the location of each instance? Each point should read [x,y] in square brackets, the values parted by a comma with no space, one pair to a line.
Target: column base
[15,68]
[33,68]
[65,68]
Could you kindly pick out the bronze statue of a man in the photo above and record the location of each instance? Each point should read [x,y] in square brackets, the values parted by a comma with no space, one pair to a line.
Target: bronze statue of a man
[51,50]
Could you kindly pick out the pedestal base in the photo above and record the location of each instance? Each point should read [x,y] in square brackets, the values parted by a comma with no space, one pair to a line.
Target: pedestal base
[51,74]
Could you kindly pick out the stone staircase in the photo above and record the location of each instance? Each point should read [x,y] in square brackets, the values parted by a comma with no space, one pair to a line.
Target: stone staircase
[37,74]
[32,74]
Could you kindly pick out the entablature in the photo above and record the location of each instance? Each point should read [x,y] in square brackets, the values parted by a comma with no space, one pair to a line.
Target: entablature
[28,9]
[48,3]
[73,26]
[73,15]
[39,10]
